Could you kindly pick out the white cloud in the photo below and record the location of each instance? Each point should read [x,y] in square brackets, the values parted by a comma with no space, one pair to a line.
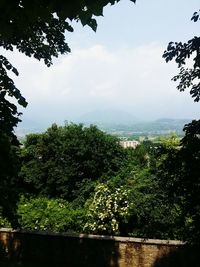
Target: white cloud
[135,80]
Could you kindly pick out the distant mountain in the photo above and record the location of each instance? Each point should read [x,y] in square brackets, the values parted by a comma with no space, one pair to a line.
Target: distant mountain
[107,116]
[173,121]
[112,121]
[158,127]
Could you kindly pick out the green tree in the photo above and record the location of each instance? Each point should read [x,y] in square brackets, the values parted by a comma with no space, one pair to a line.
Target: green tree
[188,77]
[181,168]
[179,178]
[66,160]
[9,168]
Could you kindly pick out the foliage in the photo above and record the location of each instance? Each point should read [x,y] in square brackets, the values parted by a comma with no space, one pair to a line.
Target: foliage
[9,167]
[106,210]
[9,117]
[37,28]
[180,180]
[188,77]
[143,194]
[64,160]
[4,222]
[55,215]
[150,214]
[168,145]
[171,142]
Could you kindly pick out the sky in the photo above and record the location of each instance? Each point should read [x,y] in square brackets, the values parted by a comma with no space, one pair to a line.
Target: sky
[120,67]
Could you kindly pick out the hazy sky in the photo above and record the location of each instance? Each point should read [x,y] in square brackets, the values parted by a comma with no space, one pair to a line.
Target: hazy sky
[118,67]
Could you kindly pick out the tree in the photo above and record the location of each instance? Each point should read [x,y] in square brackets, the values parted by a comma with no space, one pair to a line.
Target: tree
[179,178]
[181,168]
[9,168]
[188,77]
[67,161]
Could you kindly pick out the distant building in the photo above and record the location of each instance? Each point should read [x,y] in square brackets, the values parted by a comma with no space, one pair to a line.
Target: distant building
[132,143]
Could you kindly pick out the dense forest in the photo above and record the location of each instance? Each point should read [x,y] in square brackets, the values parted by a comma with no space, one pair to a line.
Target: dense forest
[80,180]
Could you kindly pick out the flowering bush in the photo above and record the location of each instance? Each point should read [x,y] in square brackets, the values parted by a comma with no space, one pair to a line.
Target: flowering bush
[106,210]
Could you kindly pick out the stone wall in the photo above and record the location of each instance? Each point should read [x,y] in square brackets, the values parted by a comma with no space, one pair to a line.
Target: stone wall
[49,249]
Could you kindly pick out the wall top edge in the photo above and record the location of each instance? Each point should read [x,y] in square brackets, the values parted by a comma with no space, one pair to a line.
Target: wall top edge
[99,237]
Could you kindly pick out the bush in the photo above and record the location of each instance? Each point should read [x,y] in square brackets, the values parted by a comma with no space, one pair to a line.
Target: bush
[4,222]
[44,214]
[106,210]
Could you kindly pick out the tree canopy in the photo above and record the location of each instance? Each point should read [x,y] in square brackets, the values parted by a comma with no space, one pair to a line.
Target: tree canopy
[60,161]
[37,27]
[180,180]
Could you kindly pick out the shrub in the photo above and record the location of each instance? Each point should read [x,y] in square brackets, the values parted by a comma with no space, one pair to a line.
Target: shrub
[55,215]
[106,210]
[4,222]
